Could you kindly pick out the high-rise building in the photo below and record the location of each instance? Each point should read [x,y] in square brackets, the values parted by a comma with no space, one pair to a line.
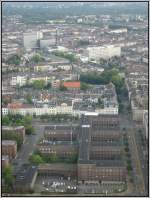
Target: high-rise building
[31,39]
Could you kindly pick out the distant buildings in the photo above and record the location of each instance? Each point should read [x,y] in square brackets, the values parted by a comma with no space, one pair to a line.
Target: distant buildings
[101,99]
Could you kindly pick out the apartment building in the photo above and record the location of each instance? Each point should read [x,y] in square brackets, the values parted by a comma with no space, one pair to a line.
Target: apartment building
[18,131]
[9,147]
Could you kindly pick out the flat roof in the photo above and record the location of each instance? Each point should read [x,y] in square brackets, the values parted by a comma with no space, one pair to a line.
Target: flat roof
[12,127]
[105,163]
[58,166]
[8,142]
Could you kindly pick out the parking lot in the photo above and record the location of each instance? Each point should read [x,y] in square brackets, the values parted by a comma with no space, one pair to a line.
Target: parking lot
[51,184]
[101,188]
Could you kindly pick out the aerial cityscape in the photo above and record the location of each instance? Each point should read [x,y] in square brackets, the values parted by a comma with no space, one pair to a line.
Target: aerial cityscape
[74,99]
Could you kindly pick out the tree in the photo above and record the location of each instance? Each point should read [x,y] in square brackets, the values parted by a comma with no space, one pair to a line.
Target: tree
[8,177]
[38,84]
[5,101]
[129,162]
[14,60]
[100,102]
[121,107]
[29,99]
[62,88]
[48,86]
[129,168]
[12,136]
[37,58]
[6,120]
[84,86]
[69,56]
[36,159]
[83,42]
[29,130]
[126,149]
[27,119]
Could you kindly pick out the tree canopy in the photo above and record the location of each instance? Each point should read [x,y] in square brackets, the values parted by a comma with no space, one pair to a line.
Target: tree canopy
[37,58]
[14,60]
[19,120]
[38,84]
[8,176]
[69,56]
[106,77]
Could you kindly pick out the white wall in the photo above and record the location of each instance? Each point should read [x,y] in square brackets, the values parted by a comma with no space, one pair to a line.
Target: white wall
[104,52]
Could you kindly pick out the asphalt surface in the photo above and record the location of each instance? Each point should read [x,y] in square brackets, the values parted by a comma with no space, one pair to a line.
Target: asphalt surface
[28,147]
[140,164]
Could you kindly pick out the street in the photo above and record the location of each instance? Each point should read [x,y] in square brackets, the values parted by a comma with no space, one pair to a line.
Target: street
[28,147]
[140,180]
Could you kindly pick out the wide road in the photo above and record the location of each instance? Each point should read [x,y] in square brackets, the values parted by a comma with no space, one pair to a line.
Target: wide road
[139,180]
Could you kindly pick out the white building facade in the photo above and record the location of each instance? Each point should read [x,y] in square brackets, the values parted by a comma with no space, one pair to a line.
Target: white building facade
[103,52]
[18,80]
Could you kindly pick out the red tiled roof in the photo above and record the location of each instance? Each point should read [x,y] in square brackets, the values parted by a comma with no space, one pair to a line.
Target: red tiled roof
[72,84]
